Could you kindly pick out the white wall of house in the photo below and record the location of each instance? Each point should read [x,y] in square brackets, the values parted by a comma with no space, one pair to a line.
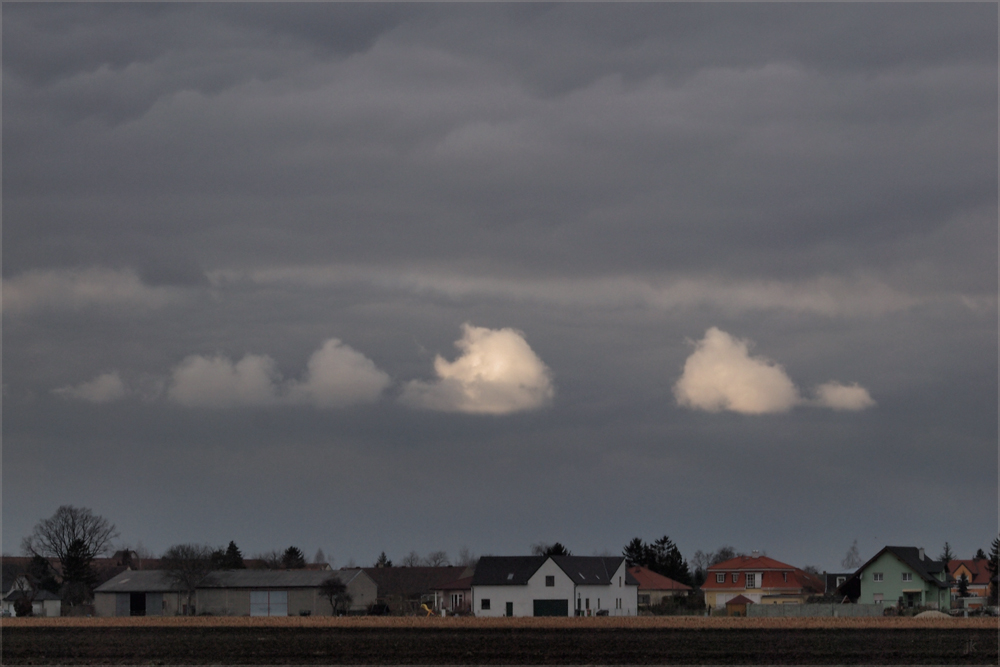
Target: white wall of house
[523,597]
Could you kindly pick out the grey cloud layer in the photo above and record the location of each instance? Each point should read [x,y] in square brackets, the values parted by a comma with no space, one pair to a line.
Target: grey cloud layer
[288,211]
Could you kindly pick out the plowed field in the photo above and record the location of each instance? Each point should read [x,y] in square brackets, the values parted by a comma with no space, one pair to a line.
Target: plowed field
[250,641]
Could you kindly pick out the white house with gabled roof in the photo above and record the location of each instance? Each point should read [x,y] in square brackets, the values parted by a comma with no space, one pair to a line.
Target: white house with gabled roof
[553,586]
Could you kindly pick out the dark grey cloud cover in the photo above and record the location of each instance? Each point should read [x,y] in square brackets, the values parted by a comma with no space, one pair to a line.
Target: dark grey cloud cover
[374,277]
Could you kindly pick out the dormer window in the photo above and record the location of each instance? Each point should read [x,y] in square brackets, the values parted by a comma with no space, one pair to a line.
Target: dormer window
[736,575]
[720,578]
[751,580]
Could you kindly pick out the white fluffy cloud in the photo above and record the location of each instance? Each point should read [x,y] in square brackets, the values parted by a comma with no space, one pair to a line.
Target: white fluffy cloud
[102,389]
[336,376]
[497,373]
[843,396]
[217,382]
[722,375]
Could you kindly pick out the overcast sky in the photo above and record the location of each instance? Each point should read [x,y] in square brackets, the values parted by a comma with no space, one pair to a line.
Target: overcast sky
[371,277]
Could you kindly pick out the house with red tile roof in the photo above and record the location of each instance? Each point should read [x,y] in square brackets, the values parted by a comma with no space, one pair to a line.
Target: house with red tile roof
[654,588]
[760,579]
[976,572]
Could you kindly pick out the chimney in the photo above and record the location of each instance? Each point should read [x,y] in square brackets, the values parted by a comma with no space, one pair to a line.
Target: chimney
[921,552]
[755,552]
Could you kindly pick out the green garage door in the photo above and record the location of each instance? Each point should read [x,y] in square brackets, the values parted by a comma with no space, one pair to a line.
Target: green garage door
[551,607]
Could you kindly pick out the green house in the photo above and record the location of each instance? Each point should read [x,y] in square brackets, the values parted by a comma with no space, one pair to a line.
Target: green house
[903,576]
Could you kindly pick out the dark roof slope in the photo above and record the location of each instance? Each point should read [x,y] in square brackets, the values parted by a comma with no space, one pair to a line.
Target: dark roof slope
[517,570]
[506,570]
[925,568]
[412,582]
[591,570]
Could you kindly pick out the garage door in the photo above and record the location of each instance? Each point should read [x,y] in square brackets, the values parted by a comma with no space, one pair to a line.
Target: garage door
[551,607]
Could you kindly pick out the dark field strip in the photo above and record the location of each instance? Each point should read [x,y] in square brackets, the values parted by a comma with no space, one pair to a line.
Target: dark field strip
[521,646]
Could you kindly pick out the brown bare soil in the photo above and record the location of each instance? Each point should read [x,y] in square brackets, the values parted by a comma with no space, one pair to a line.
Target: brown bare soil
[469,641]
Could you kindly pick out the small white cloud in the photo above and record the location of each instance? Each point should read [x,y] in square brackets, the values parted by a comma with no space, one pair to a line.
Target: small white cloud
[839,396]
[104,388]
[79,288]
[217,382]
[497,373]
[337,376]
[721,375]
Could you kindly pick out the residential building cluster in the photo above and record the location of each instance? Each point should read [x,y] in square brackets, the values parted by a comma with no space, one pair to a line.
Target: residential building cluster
[897,578]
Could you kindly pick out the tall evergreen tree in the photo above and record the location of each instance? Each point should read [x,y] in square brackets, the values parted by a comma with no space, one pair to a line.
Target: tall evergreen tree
[234,557]
[77,573]
[635,552]
[293,559]
[229,559]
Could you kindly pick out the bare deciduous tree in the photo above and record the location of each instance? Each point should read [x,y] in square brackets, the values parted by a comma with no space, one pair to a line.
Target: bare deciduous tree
[412,559]
[466,558]
[334,590]
[437,559]
[53,536]
[186,565]
[269,560]
[852,560]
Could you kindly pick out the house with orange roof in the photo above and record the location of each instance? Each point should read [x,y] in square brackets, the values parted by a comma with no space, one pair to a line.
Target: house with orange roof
[976,572]
[761,580]
[654,588]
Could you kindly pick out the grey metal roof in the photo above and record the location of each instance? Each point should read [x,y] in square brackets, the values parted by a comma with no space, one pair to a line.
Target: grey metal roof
[137,581]
[157,581]
[40,596]
[274,578]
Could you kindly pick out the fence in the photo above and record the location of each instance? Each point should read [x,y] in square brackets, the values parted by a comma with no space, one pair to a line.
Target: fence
[802,610]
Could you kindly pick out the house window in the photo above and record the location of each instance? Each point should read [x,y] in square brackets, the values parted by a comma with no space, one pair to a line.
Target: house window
[720,578]
[907,576]
[643,599]
[876,576]
[457,600]
[550,580]
[840,581]
[736,575]
[484,603]
[751,580]
[877,597]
